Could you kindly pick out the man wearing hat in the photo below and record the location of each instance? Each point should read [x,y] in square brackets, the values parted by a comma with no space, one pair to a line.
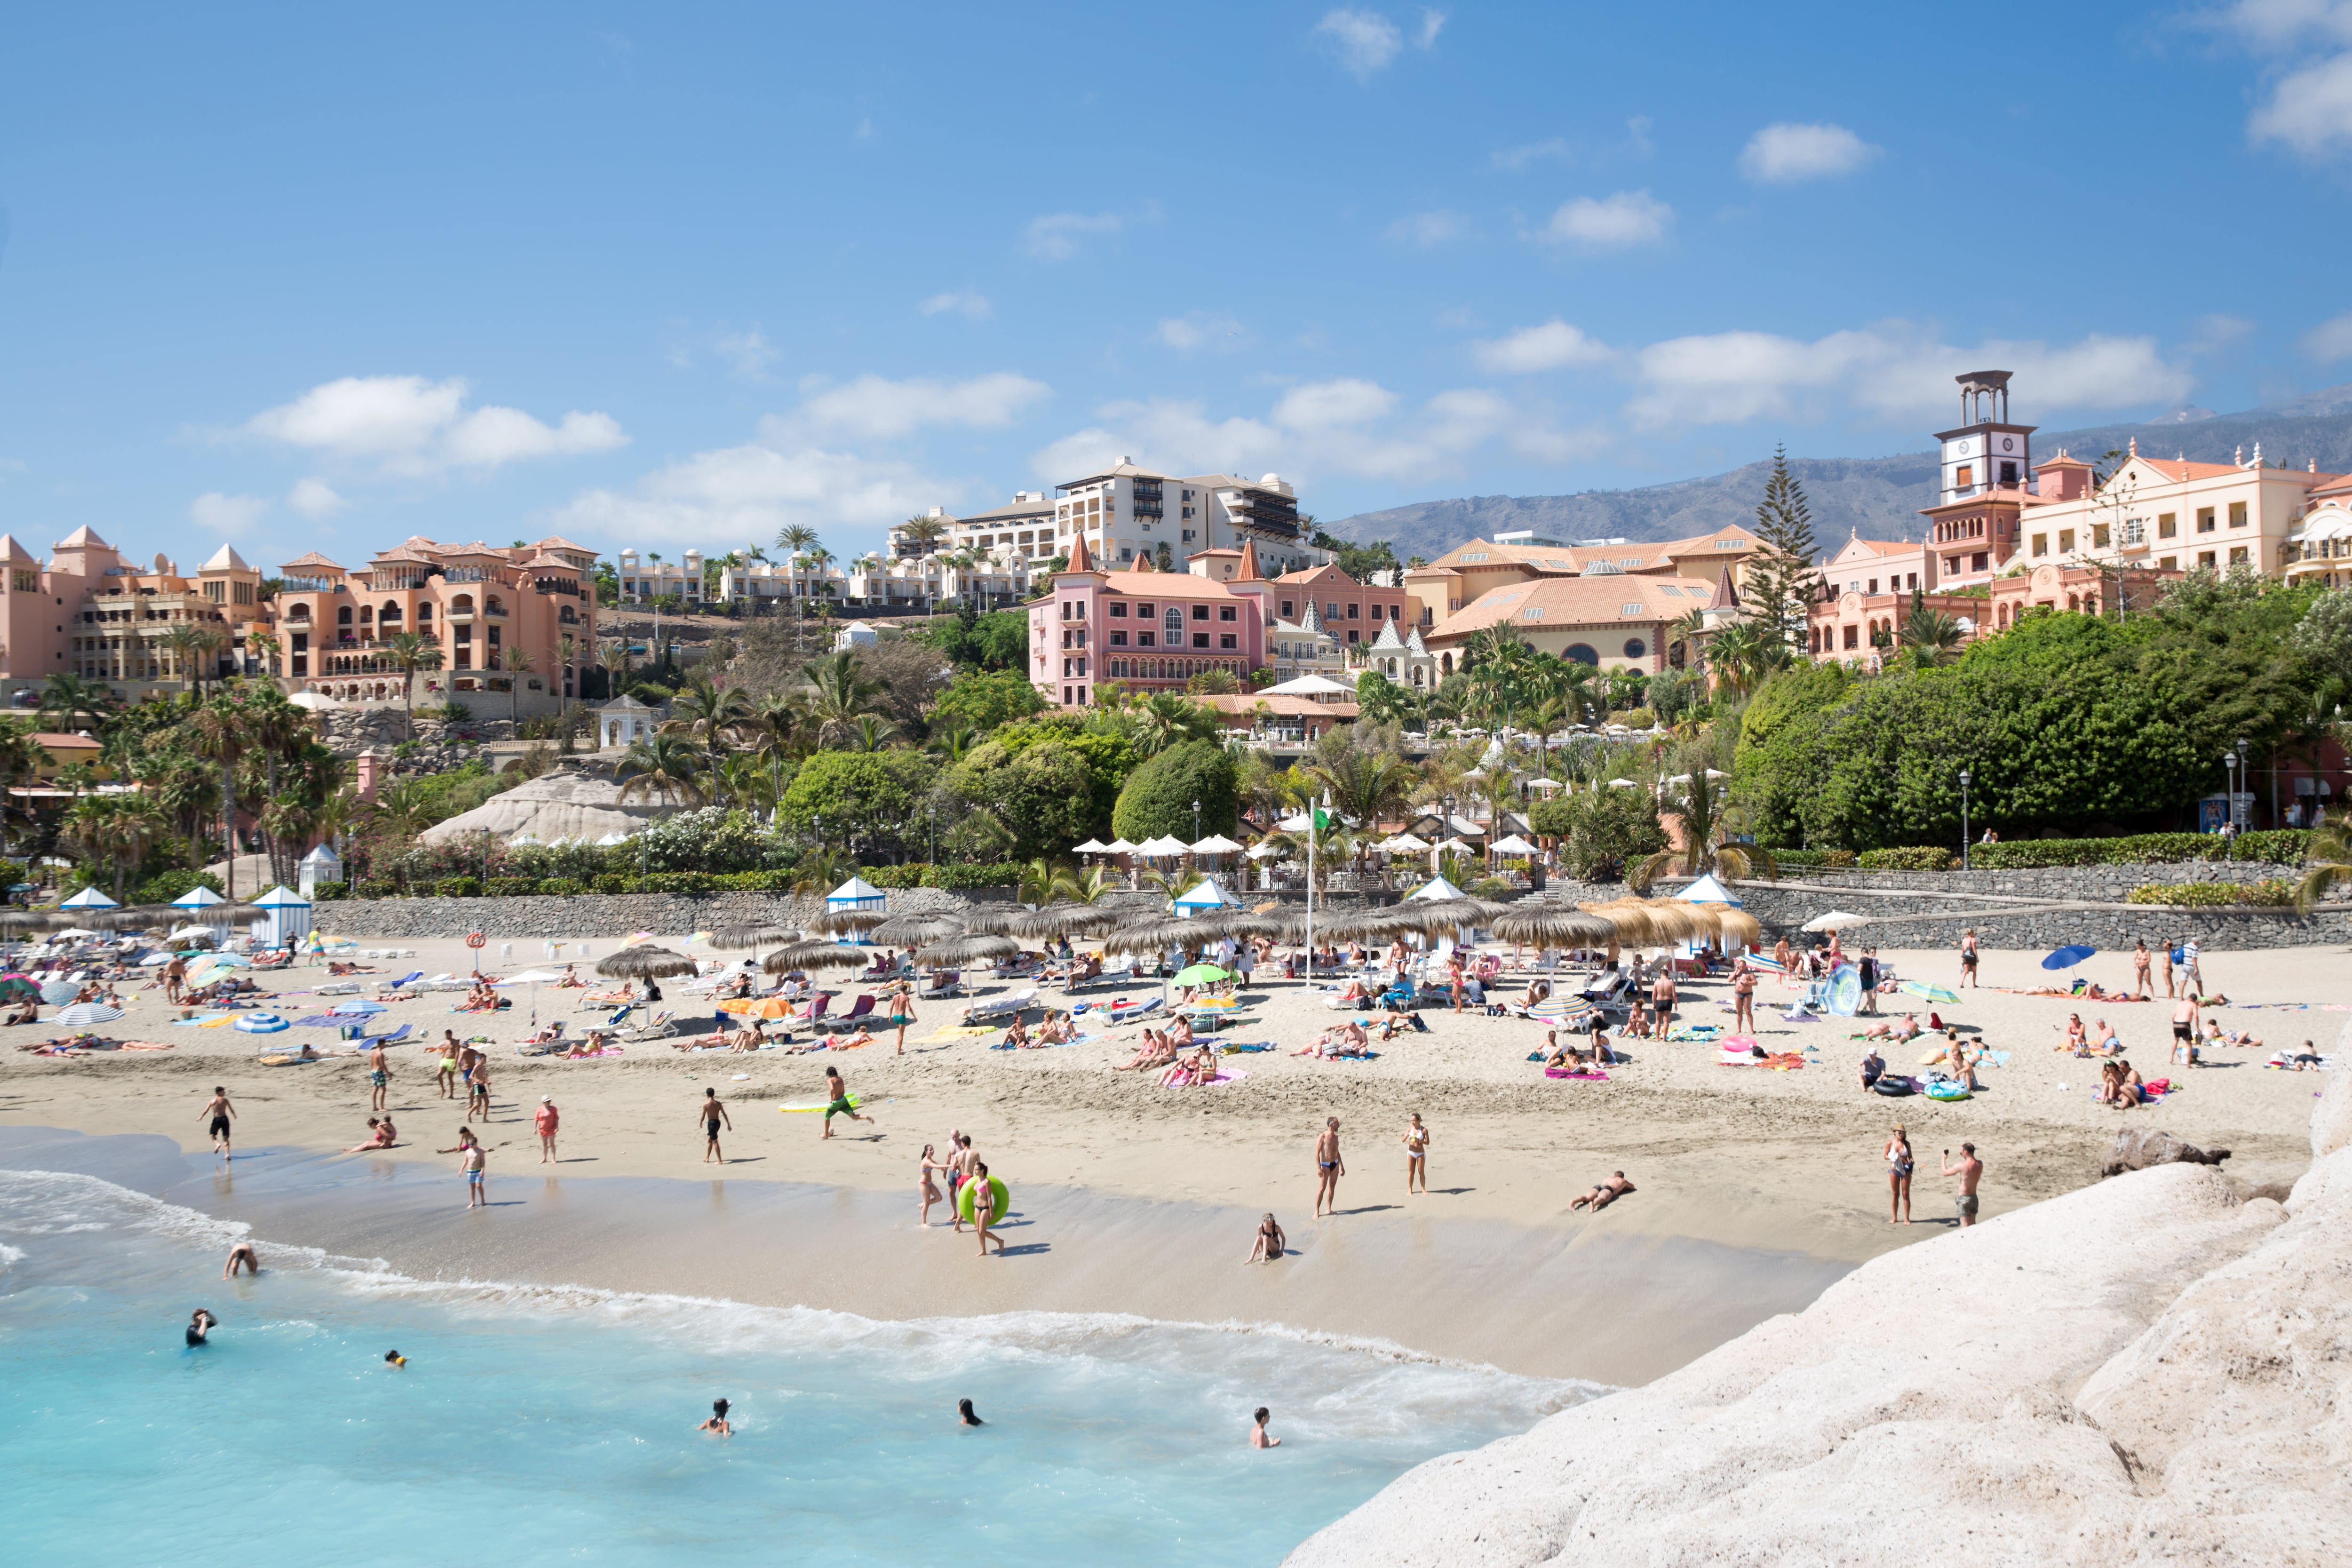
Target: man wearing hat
[545,1120]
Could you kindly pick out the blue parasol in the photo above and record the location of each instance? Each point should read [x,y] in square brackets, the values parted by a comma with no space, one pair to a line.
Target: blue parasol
[2068,957]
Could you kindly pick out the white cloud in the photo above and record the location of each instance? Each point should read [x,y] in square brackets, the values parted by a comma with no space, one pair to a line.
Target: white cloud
[1432,228]
[2330,341]
[1364,41]
[749,493]
[1555,345]
[217,513]
[1627,218]
[1784,154]
[408,425]
[1199,330]
[749,351]
[1888,372]
[877,408]
[964,302]
[1055,237]
[314,499]
[1323,429]
[2310,110]
[1517,158]
[1431,24]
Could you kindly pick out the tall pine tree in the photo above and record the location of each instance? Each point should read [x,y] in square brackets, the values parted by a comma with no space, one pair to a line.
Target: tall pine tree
[1783,580]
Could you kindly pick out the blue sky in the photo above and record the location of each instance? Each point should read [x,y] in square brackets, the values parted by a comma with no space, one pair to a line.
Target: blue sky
[681,275]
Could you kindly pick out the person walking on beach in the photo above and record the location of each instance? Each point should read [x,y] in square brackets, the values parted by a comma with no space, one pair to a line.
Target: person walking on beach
[1968,956]
[925,1188]
[1743,997]
[1969,1170]
[1662,998]
[478,1091]
[543,1121]
[983,1207]
[2193,973]
[1898,1177]
[902,1011]
[1328,1167]
[837,1104]
[1416,1155]
[2139,968]
[472,1162]
[1257,1437]
[175,975]
[220,1114]
[712,1114]
[1869,980]
[2184,1018]
[379,1077]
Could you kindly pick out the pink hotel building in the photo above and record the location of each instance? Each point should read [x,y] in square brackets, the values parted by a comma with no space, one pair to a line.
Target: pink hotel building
[1149,630]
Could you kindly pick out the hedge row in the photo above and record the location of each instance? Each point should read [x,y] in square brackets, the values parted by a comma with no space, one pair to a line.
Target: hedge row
[1919,858]
[883,877]
[2271,893]
[1814,859]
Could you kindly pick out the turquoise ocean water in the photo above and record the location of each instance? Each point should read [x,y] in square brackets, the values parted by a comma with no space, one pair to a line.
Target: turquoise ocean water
[538,1425]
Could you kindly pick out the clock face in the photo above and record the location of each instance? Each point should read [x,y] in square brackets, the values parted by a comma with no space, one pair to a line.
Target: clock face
[2009,442]
[1959,448]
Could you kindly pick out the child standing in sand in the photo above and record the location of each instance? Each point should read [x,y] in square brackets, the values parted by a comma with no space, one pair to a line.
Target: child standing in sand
[474,1158]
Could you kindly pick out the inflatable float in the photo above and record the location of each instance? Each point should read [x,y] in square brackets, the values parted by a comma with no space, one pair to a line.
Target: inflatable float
[1001,1206]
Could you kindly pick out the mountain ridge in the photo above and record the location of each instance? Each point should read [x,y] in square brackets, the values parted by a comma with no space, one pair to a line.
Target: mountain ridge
[1877,496]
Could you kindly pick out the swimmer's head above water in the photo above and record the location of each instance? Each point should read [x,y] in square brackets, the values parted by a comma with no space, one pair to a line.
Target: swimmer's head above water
[964,1414]
[394,1358]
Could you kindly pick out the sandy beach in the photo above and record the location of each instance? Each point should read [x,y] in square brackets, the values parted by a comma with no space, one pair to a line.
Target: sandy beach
[1755,1188]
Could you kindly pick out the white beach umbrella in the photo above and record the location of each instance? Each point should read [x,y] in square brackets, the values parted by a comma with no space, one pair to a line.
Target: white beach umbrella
[83,1014]
[1215,844]
[1622,783]
[1514,845]
[1119,846]
[1836,920]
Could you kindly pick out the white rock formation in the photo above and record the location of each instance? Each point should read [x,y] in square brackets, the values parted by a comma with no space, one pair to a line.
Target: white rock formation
[2146,1370]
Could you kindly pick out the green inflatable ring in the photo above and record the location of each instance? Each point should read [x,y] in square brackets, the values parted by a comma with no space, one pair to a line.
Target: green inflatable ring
[996,1191]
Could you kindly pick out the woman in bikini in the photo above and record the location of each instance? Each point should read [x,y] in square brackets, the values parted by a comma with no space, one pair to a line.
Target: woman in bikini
[2077,1040]
[1898,1177]
[1416,1155]
[925,1189]
[1270,1241]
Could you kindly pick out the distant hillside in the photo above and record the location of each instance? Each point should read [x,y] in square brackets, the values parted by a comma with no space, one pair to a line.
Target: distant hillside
[1880,497]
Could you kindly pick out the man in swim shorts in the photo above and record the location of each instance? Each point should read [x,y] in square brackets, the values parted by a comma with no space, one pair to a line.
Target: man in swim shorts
[241,1256]
[713,1114]
[1968,1170]
[379,1077]
[221,1113]
[837,1100]
[474,1159]
[1328,1167]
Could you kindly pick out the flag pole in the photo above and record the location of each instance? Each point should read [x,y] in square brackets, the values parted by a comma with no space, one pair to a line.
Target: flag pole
[1310,890]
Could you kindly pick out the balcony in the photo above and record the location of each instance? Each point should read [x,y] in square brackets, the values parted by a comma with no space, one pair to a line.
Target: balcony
[458,618]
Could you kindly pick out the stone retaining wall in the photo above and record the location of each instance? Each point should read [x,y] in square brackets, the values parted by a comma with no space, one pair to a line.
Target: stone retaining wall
[2097,884]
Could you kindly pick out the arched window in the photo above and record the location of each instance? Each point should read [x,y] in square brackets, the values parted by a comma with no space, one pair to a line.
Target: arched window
[1583,653]
[367,615]
[1446,663]
[570,616]
[462,604]
[1174,621]
[343,616]
[425,610]
[1635,647]
[389,614]
[497,606]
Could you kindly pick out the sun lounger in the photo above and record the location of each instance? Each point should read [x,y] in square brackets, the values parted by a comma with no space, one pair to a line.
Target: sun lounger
[1006,1007]
[940,984]
[857,1010]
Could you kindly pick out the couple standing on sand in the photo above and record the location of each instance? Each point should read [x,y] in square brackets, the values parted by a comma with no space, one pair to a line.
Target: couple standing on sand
[1330,1167]
[1970,1169]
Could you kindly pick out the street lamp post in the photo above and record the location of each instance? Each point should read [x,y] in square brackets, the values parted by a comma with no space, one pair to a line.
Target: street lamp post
[2229,816]
[2245,782]
[1964,819]
[1196,822]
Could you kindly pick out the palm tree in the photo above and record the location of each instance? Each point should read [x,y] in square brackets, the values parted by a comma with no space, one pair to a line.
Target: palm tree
[518,664]
[1929,638]
[1737,655]
[871,732]
[799,539]
[188,642]
[218,734]
[773,722]
[840,695]
[952,738]
[666,767]
[703,711]
[2330,853]
[1708,820]
[69,703]
[1365,786]
[1042,880]
[821,870]
[404,808]
[117,827]
[1164,719]
[926,531]
[1685,637]
[410,652]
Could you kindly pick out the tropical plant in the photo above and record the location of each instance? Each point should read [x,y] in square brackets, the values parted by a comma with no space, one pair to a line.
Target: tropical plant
[410,652]
[1929,637]
[189,641]
[821,870]
[839,695]
[1708,821]
[117,828]
[69,703]
[218,734]
[2330,853]
[518,664]
[667,768]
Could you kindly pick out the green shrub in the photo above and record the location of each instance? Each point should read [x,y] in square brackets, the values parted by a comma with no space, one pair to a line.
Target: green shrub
[676,883]
[458,887]
[560,888]
[2269,893]
[378,887]
[967,876]
[1158,795]
[609,883]
[1920,858]
[169,887]
[1818,859]
[329,892]
[2285,846]
[513,887]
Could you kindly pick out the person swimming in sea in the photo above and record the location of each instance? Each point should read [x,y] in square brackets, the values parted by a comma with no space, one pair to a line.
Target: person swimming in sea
[964,1415]
[241,1256]
[200,1325]
[718,1422]
[394,1359]
[1257,1437]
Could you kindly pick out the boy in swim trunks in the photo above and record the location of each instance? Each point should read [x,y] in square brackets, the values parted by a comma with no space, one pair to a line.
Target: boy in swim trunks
[837,1101]
[221,1113]
[472,1160]
[713,1114]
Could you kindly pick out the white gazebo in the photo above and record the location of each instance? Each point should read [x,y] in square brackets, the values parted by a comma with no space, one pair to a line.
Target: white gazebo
[623,721]
[854,896]
[89,898]
[320,865]
[1202,896]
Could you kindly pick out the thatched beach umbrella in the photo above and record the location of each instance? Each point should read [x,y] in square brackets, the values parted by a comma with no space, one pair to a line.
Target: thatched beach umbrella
[643,963]
[958,951]
[815,955]
[995,921]
[1632,920]
[19,920]
[1063,919]
[1551,925]
[741,939]
[914,929]
[1738,927]
[1156,933]
[136,917]
[1282,925]
[835,922]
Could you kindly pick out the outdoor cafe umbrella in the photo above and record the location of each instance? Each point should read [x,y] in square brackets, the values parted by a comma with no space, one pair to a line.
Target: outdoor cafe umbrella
[643,963]
[2068,957]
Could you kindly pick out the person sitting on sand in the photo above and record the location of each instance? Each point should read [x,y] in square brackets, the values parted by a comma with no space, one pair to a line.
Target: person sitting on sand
[1637,1019]
[1357,993]
[381,1135]
[1959,1062]
[28,1012]
[570,981]
[2077,1039]
[1539,990]
[1270,1241]
[1346,1040]
[1603,1194]
[2217,1036]
[1058,1029]
[1017,1037]
[1180,1034]
[2130,1088]
[1155,1051]
[1873,1066]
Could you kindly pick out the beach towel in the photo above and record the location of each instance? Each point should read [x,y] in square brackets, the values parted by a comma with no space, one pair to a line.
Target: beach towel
[1577,1076]
[1227,1049]
[2280,1063]
[961,1032]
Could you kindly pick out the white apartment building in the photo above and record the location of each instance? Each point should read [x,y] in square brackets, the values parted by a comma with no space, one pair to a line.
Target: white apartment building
[920,584]
[644,579]
[764,587]
[1025,523]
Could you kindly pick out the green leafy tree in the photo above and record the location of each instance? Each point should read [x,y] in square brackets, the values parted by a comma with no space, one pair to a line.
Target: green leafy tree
[1159,796]
[1601,835]
[1045,793]
[869,802]
[984,699]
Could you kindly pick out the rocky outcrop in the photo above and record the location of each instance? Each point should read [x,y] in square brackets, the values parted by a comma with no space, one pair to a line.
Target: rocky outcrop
[350,731]
[2153,1369]
[2137,1150]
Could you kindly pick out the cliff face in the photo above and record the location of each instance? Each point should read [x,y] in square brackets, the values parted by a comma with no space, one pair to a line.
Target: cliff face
[2153,1369]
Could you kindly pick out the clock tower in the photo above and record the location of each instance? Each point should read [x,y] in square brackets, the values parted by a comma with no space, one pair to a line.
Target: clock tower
[1986,452]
